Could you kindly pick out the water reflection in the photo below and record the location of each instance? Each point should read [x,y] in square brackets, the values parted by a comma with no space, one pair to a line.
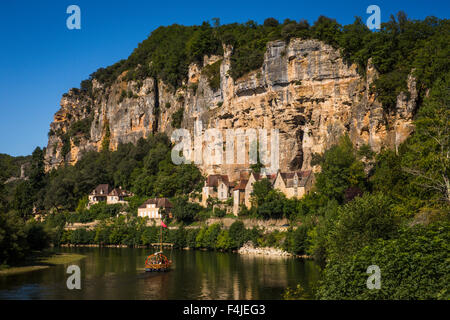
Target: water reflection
[118,273]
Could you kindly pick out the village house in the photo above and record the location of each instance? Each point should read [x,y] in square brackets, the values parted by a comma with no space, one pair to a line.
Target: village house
[216,186]
[118,195]
[294,184]
[291,184]
[249,187]
[152,208]
[99,194]
[104,193]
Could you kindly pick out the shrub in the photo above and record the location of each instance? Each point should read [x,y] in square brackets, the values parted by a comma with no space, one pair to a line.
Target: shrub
[296,240]
[413,266]
[237,234]
[177,118]
[212,72]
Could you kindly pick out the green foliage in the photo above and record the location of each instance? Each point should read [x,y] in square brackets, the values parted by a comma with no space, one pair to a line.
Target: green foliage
[23,200]
[209,239]
[177,118]
[360,222]
[413,266]
[82,126]
[19,238]
[13,238]
[238,234]
[261,190]
[426,154]
[184,210]
[212,72]
[296,240]
[224,241]
[106,137]
[340,170]
[294,294]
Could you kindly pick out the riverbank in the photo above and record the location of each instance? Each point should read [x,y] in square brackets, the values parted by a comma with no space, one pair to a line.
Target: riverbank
[41,261]
[246,249]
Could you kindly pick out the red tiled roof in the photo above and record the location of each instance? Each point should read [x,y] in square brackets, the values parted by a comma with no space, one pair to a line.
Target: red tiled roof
[213,180]
[101,187]
[242,184]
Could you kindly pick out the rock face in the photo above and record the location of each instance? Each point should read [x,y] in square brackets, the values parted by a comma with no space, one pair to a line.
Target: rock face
[304,89]
[249,248]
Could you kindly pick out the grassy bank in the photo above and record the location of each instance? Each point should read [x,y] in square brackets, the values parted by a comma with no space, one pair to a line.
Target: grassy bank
[39,261]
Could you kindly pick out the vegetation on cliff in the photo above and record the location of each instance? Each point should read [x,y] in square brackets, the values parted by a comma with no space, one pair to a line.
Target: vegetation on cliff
[402,45]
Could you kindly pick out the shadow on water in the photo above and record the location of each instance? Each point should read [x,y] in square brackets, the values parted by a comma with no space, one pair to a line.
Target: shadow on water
[118,273]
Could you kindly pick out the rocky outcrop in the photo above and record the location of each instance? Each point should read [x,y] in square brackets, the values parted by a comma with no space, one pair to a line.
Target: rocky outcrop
[250,249]
[304,89]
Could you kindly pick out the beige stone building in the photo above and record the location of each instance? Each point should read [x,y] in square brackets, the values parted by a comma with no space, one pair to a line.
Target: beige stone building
[216,186]
[152,208]
[294,184]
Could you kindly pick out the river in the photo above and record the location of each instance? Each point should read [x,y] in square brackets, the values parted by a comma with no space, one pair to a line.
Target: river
[118,273]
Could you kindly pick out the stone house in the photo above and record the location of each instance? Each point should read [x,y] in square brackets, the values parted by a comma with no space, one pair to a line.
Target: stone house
[249,187]
[118,195]
[104,193]
[99,194]
[294,184]
[152,208]
[216,186]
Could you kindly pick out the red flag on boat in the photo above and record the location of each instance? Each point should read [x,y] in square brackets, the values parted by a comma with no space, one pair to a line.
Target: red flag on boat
[163,225]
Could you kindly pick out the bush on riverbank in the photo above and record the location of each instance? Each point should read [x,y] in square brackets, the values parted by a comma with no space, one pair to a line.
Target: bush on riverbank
[132,231]
[19,238]
[413,265]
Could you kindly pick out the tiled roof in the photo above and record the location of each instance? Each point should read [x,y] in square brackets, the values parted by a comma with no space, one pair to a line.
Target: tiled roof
[213,180]
[288,178]
[241,185]
[101,189]
[160,203]
[119,192]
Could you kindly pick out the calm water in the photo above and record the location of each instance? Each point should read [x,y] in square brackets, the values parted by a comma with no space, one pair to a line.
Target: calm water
[117,273]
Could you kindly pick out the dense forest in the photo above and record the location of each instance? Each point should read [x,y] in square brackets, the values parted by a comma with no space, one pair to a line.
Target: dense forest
[387,208]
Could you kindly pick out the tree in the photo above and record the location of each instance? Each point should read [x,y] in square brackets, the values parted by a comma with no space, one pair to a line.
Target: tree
[271,22]
[13,238]
[260,191]
[237,234]
[360,222]
[413,265]
[427,157]
[23,199]
[340,170]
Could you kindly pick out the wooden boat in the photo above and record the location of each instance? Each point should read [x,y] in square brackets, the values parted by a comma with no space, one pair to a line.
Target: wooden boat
[158,262]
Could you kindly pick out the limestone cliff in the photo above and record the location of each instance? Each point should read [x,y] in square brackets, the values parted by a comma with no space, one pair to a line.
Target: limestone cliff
[304,88]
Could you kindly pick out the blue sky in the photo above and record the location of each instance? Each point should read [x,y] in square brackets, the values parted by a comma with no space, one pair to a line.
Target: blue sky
[40,58]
